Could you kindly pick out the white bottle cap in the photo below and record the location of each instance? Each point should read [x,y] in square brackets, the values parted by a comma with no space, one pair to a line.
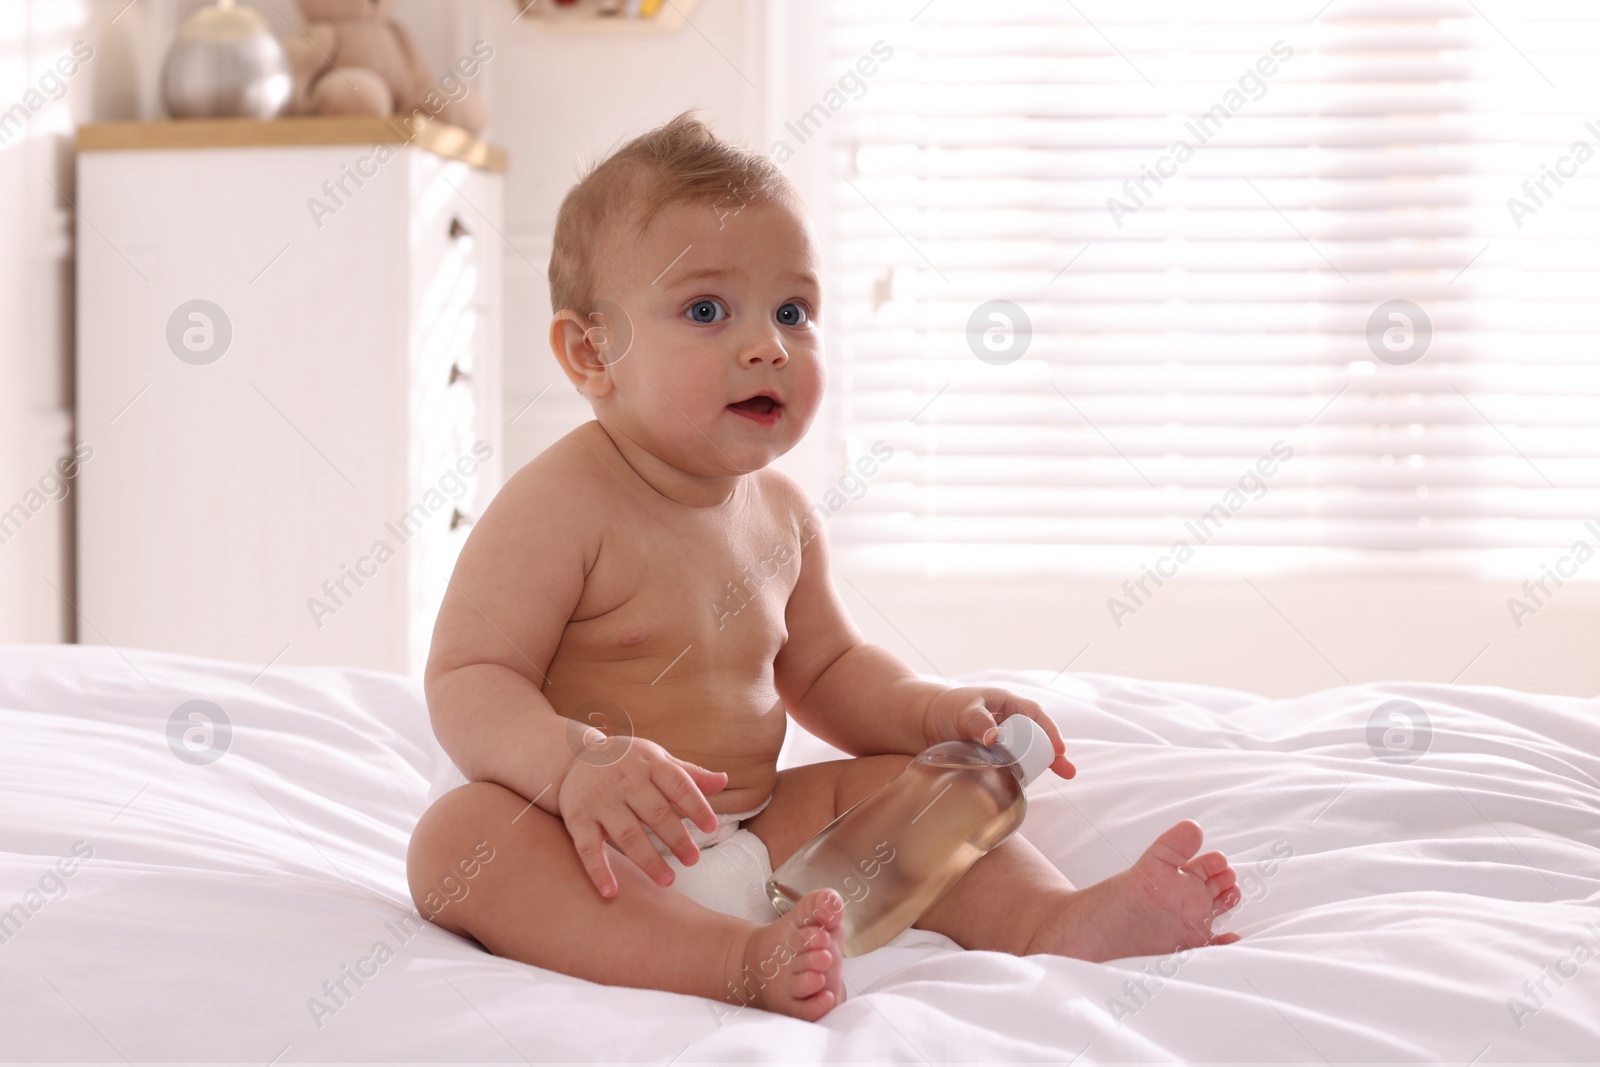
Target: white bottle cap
[1029,744]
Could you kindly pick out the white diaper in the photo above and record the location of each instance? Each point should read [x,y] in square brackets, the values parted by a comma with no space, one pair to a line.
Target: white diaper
[731,874]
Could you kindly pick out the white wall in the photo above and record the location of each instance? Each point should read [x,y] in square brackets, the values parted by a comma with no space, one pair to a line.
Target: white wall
[558,97]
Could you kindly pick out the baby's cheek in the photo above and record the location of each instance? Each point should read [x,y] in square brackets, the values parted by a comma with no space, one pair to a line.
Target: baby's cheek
[816,374]
[805,392]
[670,406]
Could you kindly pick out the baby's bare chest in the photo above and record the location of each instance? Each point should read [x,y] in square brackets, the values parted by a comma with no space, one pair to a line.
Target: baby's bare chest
[716,592]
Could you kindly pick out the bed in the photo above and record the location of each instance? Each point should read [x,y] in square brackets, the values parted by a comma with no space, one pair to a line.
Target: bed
[1420,884]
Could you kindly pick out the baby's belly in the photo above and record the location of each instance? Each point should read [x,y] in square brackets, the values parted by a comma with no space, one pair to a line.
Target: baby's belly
[722,720]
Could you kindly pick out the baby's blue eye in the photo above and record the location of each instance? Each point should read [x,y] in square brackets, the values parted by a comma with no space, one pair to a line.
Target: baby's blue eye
[792,314]
[706,311]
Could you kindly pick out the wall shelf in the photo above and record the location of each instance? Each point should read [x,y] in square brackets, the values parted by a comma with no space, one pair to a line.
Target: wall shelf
[587,17]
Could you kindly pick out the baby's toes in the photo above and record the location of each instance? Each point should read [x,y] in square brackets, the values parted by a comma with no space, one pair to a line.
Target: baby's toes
[1208,866]
[818,959]
[1227,900]
[815,1007]
[806,945]
[1174,847]
[1221,883]
[807,984]
[821,964]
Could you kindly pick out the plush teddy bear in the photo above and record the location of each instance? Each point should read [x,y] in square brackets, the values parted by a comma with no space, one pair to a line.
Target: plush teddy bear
[352,59]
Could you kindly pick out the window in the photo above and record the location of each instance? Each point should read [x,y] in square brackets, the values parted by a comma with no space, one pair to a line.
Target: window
[1299,292]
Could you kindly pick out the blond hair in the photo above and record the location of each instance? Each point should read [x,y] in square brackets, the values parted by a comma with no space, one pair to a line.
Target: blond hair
[680,162]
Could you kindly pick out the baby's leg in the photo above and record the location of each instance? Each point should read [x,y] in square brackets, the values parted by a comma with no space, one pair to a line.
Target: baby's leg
[534,902]
[1165,902]
[1013,899]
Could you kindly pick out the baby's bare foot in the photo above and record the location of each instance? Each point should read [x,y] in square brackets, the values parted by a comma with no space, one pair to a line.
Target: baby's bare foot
[1166,901]
[793,965]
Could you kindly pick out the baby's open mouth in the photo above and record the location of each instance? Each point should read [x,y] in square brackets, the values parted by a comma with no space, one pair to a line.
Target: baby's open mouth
[757,405]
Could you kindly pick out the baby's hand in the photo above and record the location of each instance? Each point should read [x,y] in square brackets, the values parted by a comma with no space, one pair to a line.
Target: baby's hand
[970,714]
[618,776]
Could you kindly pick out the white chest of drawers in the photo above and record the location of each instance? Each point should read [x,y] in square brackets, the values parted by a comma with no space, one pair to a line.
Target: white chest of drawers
[288,369]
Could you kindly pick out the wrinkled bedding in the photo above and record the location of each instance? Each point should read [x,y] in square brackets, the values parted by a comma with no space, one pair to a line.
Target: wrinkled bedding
[1418,886]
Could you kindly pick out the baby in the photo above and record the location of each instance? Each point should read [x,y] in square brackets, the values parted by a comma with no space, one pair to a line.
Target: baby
[592,682]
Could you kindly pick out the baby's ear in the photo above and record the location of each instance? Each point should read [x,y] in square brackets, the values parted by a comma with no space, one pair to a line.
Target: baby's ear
[578,346]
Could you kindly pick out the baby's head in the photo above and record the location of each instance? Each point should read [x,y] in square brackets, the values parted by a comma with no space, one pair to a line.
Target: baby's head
[684,278]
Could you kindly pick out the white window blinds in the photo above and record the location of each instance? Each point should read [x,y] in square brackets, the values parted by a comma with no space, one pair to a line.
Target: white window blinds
[1236,230]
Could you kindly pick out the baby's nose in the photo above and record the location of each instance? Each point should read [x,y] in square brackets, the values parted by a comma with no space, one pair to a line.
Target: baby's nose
[768,350]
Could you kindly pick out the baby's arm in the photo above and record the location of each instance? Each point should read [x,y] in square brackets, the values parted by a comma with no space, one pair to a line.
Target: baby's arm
[860,697]
[515,586]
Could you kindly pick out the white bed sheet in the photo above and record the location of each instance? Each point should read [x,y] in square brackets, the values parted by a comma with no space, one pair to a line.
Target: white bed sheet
[1414,902]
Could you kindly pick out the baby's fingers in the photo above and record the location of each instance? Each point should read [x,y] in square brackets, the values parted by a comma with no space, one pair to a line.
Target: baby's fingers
[707,781]
[590,843]
[659,816]
[622,825]
[683,786]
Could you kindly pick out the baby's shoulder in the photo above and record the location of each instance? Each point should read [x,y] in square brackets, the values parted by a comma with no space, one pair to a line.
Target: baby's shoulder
[784,497]
[561,479]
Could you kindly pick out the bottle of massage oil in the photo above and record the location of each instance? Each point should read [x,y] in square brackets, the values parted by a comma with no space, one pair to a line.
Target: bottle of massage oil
[897,851]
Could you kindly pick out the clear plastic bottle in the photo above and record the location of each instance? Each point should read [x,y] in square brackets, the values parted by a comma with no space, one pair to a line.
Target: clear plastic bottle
[897,851]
